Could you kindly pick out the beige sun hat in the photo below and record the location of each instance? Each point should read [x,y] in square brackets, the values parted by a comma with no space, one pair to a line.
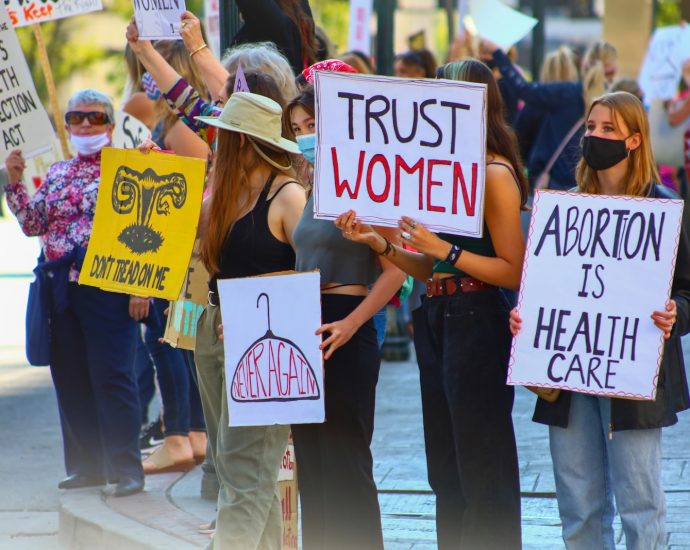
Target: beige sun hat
[255,115]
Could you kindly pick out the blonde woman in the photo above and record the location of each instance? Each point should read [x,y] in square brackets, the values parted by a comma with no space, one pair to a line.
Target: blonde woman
[604,448]
[556,150]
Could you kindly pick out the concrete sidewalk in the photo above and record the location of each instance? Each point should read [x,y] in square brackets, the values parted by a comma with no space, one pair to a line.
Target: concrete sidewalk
[168,513]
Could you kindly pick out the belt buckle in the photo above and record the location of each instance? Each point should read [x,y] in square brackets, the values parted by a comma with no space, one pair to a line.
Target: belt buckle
[430,288]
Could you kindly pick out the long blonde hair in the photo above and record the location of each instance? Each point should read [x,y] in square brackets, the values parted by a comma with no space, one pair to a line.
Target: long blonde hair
[594,61]
[559,66]
[627,109]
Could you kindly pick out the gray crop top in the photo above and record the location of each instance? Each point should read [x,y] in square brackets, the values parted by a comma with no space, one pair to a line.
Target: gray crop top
[320,245]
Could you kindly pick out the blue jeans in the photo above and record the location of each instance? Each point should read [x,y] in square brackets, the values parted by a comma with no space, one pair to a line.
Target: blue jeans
[592,467]
[143,370]
[174,377]
[380,325]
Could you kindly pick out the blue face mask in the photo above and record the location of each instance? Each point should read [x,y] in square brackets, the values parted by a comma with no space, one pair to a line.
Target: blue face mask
[307,146]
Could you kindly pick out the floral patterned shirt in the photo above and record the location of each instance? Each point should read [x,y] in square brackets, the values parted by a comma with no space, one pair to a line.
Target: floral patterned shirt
[63,207]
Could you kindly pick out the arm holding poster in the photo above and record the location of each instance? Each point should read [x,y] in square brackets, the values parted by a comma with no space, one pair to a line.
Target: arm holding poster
[30,211]
[625,371]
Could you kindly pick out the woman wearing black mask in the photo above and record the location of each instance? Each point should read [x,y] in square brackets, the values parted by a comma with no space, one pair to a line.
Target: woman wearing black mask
[608,447]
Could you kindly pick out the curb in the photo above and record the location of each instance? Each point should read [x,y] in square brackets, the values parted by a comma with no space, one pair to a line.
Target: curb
[86,522]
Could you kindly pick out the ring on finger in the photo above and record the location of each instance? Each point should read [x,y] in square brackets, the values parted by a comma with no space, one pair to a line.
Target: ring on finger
[413,224]
[405,235]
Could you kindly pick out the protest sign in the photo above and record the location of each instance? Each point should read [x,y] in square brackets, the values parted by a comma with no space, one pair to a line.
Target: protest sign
[401,147]
[499,23]
[23,12]
[37,167]
[180,329]
[596,268]
[212,25]
[24,123]
[145,224]
[273,365]
[129,132]
[287,486]
[661,70]
[359,36]
[159,19]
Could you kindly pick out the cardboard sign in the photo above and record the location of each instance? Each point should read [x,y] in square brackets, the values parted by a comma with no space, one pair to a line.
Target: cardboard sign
[500,23]
[180,329]
[37,167]
[24,123]
[130,132]
[661,70]
[596,268]
[22,12]
[359,36]
[159,19]
[212,25]
[273,365]
[145,224]
[401,147]
[287,486]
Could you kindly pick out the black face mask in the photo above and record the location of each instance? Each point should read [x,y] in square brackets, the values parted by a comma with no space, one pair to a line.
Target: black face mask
[600,153]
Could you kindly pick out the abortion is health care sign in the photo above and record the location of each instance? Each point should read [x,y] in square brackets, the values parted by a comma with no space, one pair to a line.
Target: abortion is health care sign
[596,268]
[273,364]
[389,147]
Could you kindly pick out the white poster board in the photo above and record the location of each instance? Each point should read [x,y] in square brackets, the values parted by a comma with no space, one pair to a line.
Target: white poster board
[401,147]
[212,25]
[499,23]
[129,132]
[273,365]
[24,13]
[596,268]
[359,36]
[159,20]
[662,67]
[24,123]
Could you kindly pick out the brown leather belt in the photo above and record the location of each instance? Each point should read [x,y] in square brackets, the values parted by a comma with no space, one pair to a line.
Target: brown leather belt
[453,285]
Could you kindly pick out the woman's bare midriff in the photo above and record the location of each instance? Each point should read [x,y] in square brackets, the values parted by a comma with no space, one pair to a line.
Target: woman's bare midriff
[348,290]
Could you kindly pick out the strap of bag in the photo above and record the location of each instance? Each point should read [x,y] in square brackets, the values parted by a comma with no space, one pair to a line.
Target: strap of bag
[559,149]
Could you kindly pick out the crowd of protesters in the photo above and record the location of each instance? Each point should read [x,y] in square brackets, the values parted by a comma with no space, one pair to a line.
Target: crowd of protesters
[578,129]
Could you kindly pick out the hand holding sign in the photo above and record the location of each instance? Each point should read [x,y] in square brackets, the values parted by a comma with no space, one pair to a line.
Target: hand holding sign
[664,320]
[190,31]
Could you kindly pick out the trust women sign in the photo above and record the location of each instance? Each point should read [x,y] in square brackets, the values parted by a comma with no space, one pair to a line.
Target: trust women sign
[596,268]
[273,364]
[388,147]
[145,224]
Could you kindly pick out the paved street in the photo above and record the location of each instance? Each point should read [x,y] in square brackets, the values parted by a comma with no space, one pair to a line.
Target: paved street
[165,516]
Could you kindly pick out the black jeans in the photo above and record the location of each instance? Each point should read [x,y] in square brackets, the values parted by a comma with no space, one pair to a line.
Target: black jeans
[340,508]
[463,347]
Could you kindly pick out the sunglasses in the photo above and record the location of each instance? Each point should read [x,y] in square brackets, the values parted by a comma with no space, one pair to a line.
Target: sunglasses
[95,117]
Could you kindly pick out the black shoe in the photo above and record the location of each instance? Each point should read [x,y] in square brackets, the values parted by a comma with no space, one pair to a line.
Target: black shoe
[151,434]
[79,481]
[128,486]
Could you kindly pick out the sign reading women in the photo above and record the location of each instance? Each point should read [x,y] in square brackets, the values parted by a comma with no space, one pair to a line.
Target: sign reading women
[389,147]
[273,365]
[145,224]
[596,268]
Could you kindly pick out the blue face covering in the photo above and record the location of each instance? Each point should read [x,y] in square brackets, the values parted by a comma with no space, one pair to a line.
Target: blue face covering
[307,146]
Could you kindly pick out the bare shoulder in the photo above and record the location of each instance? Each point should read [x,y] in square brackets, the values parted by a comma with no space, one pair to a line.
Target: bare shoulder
[288,192]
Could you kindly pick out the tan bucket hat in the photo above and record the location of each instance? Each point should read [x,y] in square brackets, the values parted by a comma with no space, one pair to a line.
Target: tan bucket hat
[255,115]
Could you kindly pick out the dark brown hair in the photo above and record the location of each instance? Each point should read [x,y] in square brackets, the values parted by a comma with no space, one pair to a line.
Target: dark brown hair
[420,58]
[305,100]
[305,25]
[500,138]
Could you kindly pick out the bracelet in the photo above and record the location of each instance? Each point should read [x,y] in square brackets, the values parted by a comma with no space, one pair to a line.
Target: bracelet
[387,250]
[453,255]
[192,53]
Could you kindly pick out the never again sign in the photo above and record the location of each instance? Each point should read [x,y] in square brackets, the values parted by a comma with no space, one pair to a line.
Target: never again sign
[274,370]
[389,147]
[596,268]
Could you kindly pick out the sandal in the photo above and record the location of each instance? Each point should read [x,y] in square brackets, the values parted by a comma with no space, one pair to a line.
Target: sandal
[160,462]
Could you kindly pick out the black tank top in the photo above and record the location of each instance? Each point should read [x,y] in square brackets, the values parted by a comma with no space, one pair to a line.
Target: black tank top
[250,248]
